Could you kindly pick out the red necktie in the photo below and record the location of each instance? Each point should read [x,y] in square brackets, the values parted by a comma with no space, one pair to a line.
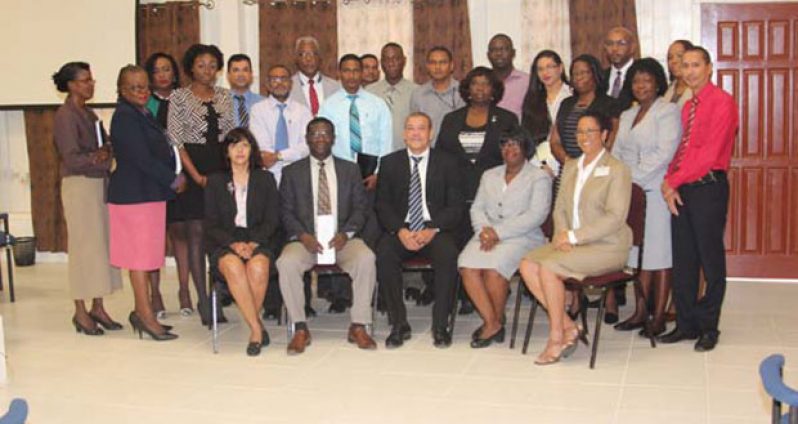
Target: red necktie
[314,98]
[679,156]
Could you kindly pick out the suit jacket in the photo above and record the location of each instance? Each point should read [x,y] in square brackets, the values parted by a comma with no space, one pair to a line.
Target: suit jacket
[263,210]
[297,198]
[603,206]
[490,155]
[625,97]
[328,84]
[443,189]
[145,162]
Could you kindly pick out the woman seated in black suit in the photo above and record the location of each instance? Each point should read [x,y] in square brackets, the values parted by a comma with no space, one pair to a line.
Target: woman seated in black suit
[241,217]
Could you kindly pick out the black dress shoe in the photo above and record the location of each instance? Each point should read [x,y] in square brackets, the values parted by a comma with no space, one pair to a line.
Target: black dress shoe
[398,336]
[427,296]
[706,342]
[629,325]
[610,318]
[338,306]
[476,333]
[253,349]
[497,337]
[675,336]
[264,341]
[441,338]
[466,308]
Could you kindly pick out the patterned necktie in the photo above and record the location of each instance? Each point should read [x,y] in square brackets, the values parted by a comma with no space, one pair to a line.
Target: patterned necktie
[355,140]
[616,85]
[243,115]
[416,221]
[281,133]
[324,207]
[679,156]
[389,96]
[314,97]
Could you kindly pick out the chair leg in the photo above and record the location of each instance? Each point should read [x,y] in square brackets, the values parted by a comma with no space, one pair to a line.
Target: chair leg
[214,324]
[599,319]
[10,263]
[453,315]
[516,312]
[533,309]
[583,304]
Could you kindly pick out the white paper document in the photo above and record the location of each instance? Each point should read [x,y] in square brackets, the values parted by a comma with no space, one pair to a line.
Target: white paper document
[98,130]
[325,231]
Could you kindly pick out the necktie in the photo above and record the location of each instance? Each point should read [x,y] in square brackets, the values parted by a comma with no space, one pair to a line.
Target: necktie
[314,98]
[324,207]
[355,141]
[389,96]
[243,115]
[686,136]
[616,85]
[281,133]
[416,221]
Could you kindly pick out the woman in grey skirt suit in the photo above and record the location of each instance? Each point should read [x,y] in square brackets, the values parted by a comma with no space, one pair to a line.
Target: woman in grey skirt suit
[647,139]
[512,202]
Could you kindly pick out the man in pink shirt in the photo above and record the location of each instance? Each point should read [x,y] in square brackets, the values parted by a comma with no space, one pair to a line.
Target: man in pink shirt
[501,54]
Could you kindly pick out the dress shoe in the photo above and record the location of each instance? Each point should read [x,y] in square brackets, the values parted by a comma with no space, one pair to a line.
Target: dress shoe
[299,342]
[629,325]
[675,336]
[110,324]
[441,338]
[657,330]
[475,335]
[79,328]
[497,337]
[264,338]
[138,326]
[205,314]
[338,306]
[427,297]
[610,318]
[399,333]
[466,308]
[413,294]
[309,312]
[706,342]
[253,349]
[359,336]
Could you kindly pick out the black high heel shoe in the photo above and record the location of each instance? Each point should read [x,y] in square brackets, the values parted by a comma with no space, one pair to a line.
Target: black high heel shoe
[138,325]
[109,325]
[79,328]
[498,337]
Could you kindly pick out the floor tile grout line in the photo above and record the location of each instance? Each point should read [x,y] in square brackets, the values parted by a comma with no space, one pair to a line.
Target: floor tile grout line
[708,413]
[617,413]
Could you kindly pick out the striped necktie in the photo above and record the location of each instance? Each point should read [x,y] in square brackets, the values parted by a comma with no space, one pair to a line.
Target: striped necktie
[416,221]
[243,115]
[679,156]
[324,207]
[355,140]
[616,85]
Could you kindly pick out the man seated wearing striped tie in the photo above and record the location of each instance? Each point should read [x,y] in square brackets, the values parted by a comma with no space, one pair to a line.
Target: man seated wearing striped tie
[315,186]
[420,204]
[239,75]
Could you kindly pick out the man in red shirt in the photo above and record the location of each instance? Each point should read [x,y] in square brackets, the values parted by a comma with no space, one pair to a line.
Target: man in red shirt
[697,193]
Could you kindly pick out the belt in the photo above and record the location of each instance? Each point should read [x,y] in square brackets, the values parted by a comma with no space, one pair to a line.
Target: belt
[710,178]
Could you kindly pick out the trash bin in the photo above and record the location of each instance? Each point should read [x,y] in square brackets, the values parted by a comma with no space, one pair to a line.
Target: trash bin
[24,251]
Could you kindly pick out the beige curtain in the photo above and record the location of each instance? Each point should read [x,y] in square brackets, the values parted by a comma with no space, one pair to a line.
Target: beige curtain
[544,25]
[385,21]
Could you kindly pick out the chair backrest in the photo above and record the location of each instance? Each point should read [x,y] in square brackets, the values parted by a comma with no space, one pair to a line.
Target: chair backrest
[770,371]
[636,219]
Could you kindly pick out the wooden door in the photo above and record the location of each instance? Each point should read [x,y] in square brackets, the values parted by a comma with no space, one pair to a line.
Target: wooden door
[755,48]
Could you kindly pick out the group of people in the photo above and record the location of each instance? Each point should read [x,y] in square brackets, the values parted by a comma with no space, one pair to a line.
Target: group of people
[463,173]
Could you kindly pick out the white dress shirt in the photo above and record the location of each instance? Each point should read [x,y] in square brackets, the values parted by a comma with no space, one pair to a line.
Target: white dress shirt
[422,174]
[614,73]
[263,124]
[583,173]
[241,205]
[304,82]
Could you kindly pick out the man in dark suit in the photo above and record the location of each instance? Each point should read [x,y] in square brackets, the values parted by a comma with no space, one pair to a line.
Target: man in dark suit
[420,205]
[324,185]
[620,46]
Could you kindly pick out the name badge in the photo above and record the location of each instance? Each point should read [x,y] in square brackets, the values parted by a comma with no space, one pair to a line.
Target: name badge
[601,171]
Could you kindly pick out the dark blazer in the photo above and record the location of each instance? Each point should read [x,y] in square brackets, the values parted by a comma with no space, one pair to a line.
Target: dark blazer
[490,155]
[625,97]
[297,198]
[144,159]
[444,191]
[263,210]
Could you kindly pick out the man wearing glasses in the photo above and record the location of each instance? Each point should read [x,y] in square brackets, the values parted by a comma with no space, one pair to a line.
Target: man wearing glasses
[310,86]
[620,46]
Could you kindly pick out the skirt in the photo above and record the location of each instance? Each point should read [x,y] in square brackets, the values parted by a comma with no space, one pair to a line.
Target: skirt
[504,257]
[582,261]
[89,270]
[138,235]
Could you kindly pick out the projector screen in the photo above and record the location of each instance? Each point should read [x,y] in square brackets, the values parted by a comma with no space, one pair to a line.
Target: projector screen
[39,36]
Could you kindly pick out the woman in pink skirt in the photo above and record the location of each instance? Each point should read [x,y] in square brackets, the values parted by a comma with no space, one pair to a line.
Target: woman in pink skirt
[146,176]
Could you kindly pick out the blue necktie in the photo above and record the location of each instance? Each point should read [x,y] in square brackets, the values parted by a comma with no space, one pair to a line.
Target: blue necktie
[243,114]
[416,221]
[355,141]
[281,134]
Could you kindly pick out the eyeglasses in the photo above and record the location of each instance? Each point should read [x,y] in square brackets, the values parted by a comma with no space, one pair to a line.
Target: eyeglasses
[279,79]
[319,134]
[587,132]
[616,43]
[305,55]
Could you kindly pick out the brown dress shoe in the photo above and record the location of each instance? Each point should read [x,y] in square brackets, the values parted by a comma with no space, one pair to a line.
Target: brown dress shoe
[359,336]
[299,342]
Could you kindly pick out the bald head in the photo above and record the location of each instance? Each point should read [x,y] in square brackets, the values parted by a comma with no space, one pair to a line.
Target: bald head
[620,46]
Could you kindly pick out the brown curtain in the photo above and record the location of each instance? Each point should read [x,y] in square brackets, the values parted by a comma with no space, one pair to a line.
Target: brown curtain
[441,23]
[591,19]
[282,23]
[170,27]
[47,211]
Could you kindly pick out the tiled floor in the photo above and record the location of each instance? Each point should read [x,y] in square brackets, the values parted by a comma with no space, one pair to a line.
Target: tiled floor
[117,378]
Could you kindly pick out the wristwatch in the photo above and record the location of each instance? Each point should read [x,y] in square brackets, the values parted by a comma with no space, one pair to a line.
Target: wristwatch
[279,157]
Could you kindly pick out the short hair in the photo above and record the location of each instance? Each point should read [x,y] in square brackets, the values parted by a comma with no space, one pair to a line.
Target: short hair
[198,50]
[647,66]
[348,57]
[703,51]
[497,86]
[595,68]
[127,69]
[604,121]
[392,44]
[626,31]
[440,49]
[68,72]
[420,114]
[502,35]
[320,120]
[306,39]
[238,57]
[686,44]
[368,56]
[520,135]
[237,135]
[149,66]
[277,65]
